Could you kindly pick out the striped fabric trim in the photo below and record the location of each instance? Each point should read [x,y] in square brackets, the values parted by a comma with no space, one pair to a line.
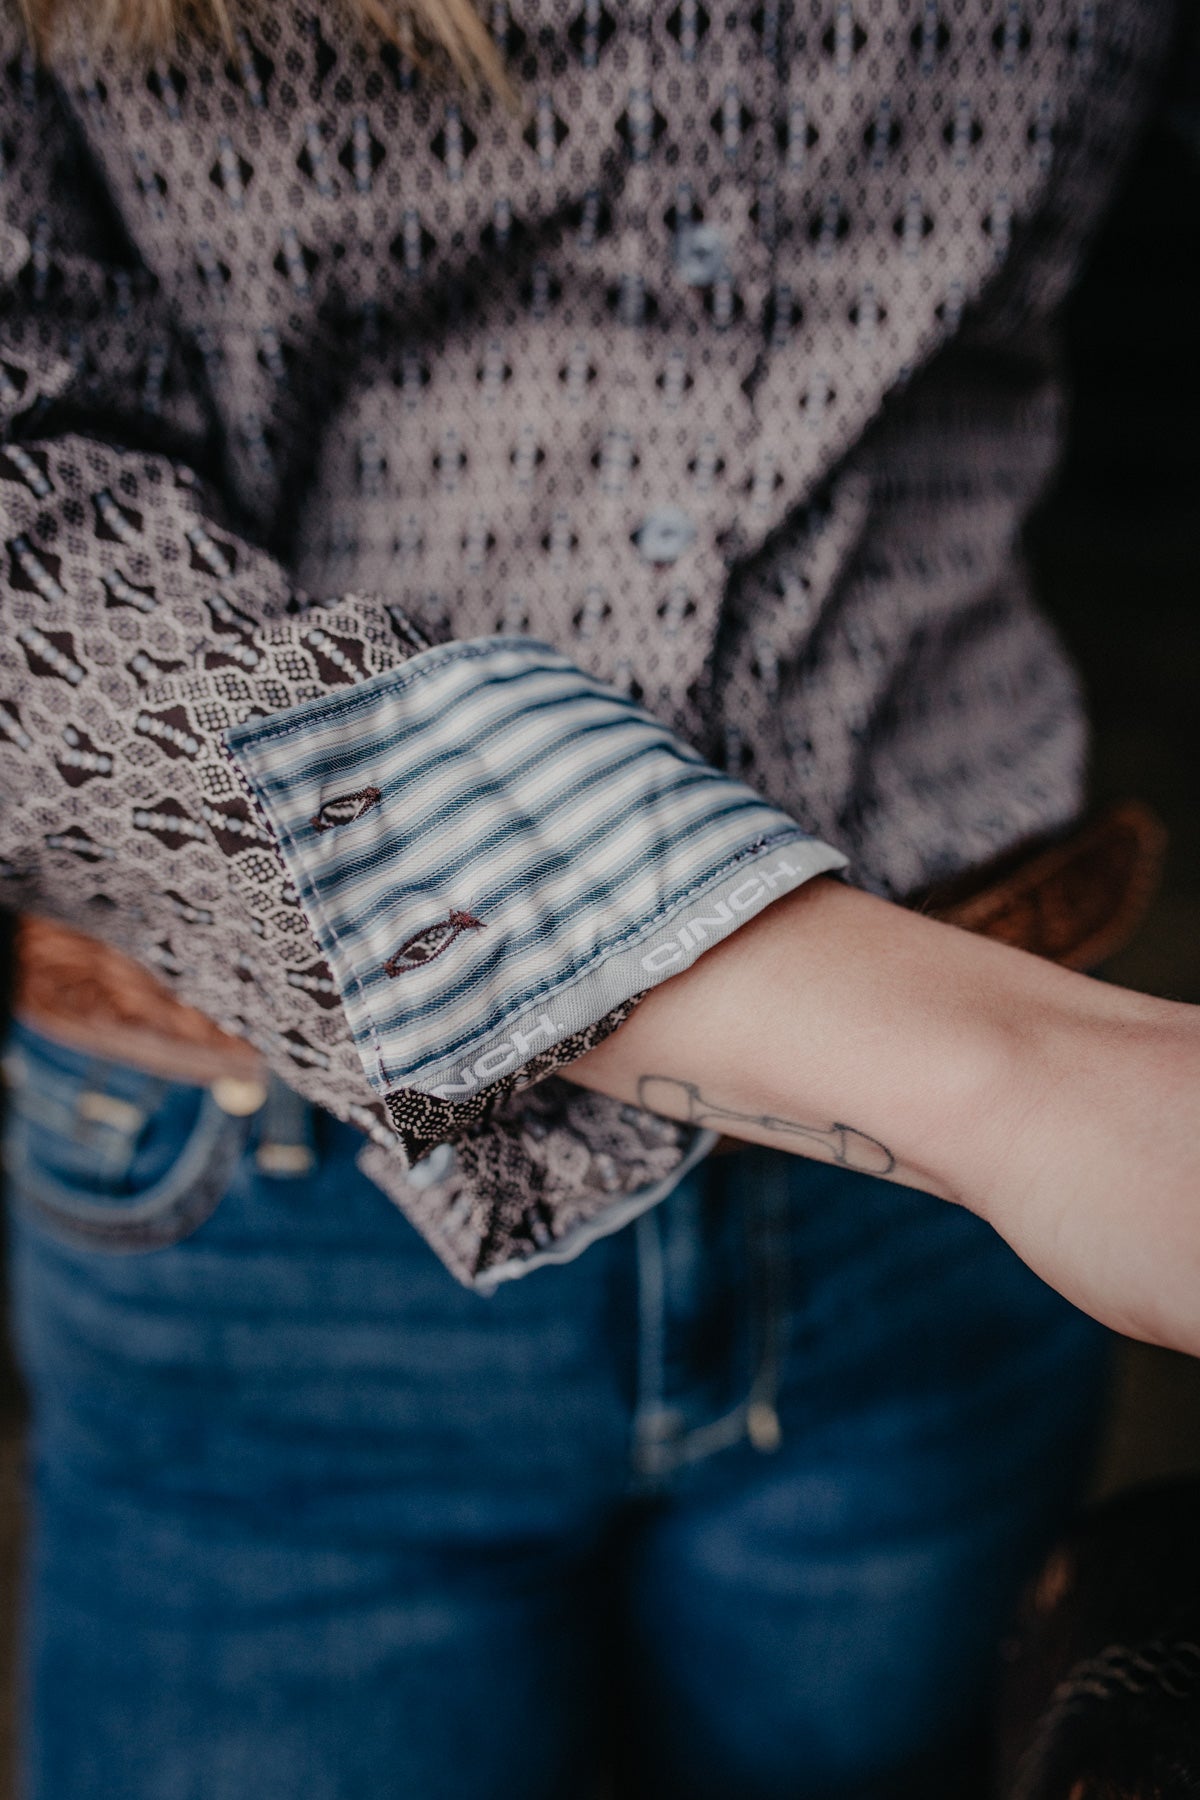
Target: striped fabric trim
[494,849]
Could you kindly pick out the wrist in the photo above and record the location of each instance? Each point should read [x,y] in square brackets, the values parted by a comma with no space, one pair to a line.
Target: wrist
[840,1010]
[1094,1150]
[1019,1049]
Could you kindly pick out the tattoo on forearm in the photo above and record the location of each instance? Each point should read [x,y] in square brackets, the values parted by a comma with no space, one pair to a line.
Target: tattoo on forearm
[853,1149]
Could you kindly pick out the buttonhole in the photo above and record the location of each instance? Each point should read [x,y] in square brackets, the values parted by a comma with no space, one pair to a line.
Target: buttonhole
[430,942]
[345,808]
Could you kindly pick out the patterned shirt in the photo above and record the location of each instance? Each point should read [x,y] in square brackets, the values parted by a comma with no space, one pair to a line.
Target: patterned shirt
[460,562]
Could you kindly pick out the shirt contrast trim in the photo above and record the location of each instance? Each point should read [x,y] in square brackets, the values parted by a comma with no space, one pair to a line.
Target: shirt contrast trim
[494,849]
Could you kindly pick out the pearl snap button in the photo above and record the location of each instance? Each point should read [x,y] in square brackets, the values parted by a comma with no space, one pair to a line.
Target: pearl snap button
[665,534]
[699,254]
[434,1167]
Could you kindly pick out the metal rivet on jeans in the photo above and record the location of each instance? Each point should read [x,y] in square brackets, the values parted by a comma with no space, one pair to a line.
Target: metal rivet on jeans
[237,1097]
[763,1427]
[285,1160]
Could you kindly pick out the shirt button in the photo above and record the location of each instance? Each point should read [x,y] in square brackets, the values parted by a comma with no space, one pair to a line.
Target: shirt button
[699,254]
[435,1167]
[665,534]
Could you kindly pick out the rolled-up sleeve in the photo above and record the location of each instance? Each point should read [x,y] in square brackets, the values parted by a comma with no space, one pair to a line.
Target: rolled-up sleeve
[495,851]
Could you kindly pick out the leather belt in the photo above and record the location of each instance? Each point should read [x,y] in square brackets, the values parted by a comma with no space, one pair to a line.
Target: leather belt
[90,997]
[1076,899]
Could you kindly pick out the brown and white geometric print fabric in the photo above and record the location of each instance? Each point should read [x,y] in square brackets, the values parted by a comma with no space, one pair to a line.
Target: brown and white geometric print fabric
[724,369]
[141,628]
[138,826]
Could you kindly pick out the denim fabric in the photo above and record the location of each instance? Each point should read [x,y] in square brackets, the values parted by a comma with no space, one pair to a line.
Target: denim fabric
[734,1505]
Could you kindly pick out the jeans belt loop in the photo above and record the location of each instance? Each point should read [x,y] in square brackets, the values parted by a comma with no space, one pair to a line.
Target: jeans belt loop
[286,1148]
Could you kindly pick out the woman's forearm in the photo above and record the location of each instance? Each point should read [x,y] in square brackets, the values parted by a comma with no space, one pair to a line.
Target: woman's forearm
[1060,1108]
[839,1026]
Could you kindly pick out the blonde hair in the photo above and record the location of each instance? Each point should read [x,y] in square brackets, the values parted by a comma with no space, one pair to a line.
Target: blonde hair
[452,26]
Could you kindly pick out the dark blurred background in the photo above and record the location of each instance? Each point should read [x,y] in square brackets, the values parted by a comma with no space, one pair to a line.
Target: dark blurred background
[1116,548]
[1117,552]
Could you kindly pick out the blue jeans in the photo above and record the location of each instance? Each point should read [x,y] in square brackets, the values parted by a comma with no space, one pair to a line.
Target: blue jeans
[733,1506]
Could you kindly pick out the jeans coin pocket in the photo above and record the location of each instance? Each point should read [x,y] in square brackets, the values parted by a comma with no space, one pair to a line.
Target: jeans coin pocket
[106,1157]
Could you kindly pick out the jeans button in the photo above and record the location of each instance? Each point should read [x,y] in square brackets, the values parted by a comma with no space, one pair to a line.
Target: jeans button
[237,1096]
[665,534]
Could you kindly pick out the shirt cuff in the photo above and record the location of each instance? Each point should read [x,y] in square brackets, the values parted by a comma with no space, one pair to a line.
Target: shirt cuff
[495,849]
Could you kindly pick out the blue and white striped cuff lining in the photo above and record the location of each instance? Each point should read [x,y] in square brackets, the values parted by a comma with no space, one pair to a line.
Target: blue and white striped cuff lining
[494,849]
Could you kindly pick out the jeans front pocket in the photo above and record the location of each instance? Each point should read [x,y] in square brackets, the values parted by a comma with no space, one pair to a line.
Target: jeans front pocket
[106,1157]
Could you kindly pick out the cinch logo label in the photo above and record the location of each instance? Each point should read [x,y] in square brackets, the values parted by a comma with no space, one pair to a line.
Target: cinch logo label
[502,1057]
[747,894]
